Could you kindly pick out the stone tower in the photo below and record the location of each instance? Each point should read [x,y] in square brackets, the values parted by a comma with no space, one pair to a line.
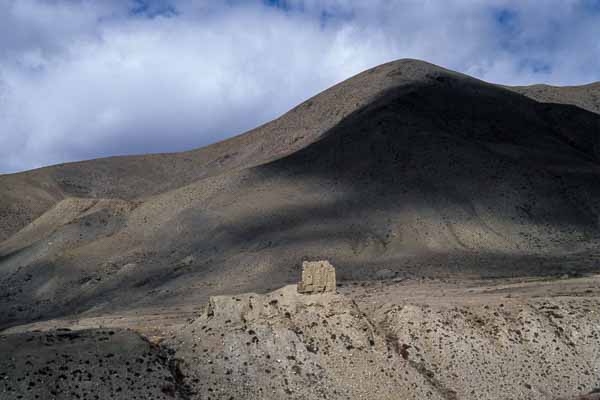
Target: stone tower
[317,277]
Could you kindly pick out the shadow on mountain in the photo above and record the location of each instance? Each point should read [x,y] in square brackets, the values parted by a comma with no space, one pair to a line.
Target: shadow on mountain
[443,177]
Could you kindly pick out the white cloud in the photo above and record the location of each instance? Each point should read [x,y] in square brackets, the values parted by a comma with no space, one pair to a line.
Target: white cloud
[83,79]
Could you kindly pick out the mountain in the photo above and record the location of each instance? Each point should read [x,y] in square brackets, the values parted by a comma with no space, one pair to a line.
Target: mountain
[405,170]
[585,96]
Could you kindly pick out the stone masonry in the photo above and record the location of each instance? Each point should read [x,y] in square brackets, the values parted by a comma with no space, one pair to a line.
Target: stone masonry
[317,277]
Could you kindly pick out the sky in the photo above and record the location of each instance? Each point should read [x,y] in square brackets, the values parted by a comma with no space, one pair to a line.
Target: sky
[83,79]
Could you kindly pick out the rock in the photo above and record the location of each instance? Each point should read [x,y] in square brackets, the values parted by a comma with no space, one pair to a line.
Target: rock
[317,277]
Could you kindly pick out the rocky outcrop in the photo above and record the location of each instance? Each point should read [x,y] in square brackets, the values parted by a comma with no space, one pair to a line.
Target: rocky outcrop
[288,345]
[317,277]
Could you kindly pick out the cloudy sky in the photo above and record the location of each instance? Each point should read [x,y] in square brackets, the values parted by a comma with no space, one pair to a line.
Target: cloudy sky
[82,79]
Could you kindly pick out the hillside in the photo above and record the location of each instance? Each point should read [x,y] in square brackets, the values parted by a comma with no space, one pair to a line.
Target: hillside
[462,218]
[405,167]
[584,96]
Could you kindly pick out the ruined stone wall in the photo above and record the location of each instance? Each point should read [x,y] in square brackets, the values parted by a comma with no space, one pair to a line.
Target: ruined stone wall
[317,277]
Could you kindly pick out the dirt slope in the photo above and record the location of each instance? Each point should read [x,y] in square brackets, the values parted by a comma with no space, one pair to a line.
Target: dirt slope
[407,167]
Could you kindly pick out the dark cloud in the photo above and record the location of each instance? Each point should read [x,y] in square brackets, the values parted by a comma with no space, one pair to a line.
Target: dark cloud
[83,79]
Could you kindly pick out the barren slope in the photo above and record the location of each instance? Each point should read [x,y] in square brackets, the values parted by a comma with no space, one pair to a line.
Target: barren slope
[26,195]
[406,167]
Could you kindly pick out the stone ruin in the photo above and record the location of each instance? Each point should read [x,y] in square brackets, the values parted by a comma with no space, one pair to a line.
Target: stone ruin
[317,277]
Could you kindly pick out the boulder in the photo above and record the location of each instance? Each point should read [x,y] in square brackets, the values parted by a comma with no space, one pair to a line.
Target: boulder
[317,277]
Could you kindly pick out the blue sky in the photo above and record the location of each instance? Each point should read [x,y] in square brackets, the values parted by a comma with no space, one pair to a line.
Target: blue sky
[82,79]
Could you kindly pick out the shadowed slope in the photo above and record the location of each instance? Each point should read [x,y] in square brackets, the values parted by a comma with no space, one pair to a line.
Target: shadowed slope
[26,195]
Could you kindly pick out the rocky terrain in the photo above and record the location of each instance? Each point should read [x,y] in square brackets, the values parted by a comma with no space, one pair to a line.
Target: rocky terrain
[285,345]
[449,206]
[386,339]
[87,364]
